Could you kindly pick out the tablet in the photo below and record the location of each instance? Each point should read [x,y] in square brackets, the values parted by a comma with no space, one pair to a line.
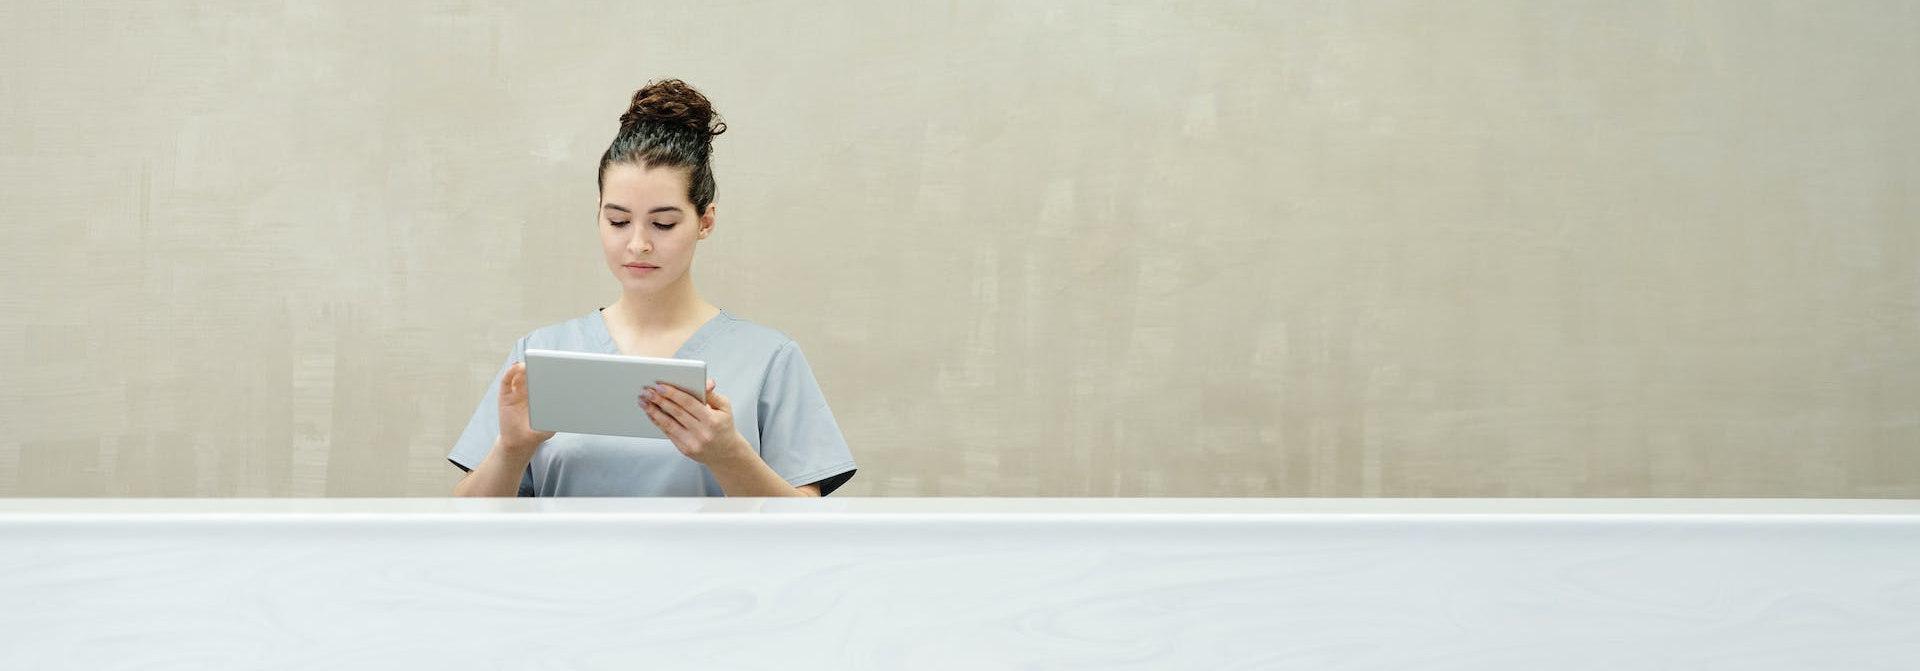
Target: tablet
[582,392]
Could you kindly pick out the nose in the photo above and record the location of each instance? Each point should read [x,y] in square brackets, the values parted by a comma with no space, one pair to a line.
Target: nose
[639,244]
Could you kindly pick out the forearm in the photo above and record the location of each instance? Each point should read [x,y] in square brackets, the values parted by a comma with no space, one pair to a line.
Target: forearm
[497,475]
[743,473]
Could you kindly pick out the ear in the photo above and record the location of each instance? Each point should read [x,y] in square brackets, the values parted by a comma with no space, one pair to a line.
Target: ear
[706,220]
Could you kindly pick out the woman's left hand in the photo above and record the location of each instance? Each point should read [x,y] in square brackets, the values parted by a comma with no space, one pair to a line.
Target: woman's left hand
[704,432]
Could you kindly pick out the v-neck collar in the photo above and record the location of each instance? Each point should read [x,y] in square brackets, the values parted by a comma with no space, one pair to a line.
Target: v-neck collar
[688,350]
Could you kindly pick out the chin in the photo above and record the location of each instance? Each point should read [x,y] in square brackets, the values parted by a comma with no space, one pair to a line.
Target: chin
[645,286]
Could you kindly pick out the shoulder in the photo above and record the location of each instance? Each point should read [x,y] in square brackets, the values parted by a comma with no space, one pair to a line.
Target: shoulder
[744,334]
[749,347]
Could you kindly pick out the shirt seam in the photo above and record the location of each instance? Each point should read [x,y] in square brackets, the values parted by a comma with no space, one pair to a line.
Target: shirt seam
[767,374]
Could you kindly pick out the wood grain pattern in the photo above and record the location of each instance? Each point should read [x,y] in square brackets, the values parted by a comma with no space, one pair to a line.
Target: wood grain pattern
[1378,248]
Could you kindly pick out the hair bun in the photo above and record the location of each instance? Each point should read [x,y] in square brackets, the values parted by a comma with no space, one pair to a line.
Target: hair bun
[672,102]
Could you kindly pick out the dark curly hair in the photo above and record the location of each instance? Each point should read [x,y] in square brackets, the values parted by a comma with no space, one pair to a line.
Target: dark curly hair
[669,124]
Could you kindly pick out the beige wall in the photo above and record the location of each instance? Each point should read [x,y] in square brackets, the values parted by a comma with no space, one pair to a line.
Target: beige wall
[1501,248]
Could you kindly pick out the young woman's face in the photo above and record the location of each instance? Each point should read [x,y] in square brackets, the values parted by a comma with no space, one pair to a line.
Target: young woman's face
[648,228]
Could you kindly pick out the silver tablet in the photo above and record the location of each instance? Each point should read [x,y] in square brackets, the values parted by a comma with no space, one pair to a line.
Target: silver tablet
[581,392]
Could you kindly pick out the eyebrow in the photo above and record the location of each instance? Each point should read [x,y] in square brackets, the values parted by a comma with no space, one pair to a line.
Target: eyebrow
[663,208]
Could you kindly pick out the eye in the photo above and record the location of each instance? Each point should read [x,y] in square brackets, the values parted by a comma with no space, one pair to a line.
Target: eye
[662,226]
[616,224]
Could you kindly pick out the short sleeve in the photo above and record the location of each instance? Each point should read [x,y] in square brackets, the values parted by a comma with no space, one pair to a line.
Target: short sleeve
[484,427]
[798,437]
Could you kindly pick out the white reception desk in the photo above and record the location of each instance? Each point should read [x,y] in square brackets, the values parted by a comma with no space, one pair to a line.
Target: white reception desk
[911,584]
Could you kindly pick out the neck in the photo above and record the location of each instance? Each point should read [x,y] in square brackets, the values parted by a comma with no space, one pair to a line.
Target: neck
[673,307]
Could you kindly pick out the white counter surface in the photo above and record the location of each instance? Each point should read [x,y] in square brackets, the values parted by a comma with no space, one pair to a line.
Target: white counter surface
[959,584]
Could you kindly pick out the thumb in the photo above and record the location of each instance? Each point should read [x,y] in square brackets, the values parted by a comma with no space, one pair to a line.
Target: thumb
[716,401]
[516,375]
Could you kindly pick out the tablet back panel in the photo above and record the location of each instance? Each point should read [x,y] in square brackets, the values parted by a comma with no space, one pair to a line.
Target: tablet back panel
[581,392]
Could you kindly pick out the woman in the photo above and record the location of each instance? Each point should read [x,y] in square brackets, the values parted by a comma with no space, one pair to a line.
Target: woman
[656,204]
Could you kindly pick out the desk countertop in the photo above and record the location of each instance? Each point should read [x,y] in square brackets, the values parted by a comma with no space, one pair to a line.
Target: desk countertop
[927,584]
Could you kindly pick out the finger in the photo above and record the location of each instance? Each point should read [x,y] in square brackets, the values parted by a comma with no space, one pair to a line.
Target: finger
[674,430]
[666,402]
[661,419]
[510,383]
[674,396]
[709,386]
[664,410]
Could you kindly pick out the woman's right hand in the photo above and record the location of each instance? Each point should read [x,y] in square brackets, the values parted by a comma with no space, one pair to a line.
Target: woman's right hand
[516,431]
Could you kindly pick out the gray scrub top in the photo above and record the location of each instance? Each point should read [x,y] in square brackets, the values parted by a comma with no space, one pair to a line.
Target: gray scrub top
[777,405]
